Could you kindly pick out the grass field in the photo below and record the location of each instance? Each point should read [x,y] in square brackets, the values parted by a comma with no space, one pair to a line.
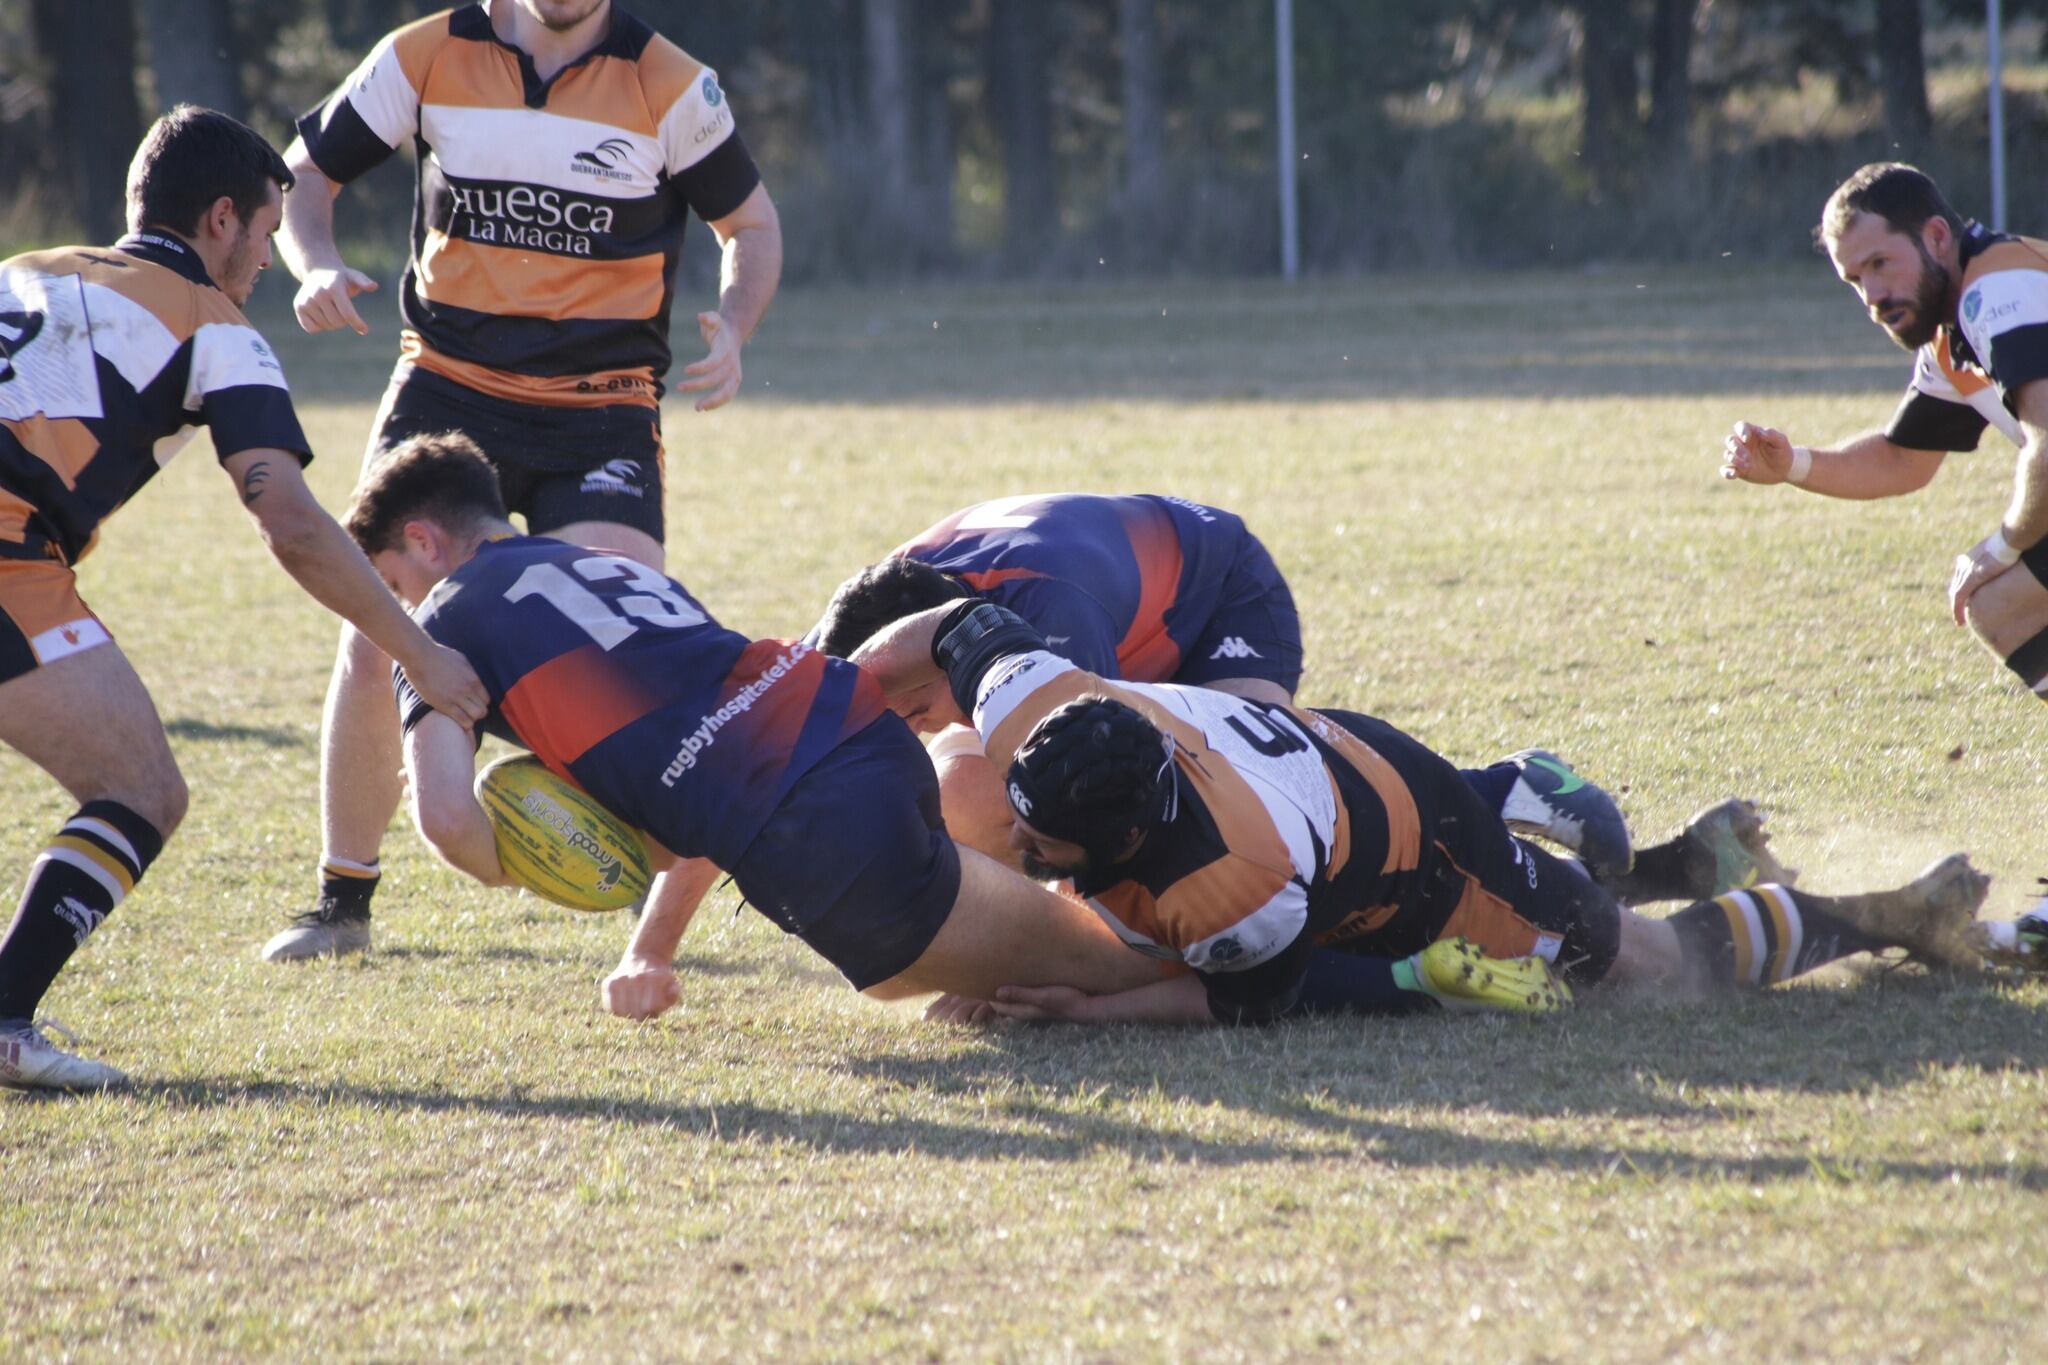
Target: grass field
[1495,498]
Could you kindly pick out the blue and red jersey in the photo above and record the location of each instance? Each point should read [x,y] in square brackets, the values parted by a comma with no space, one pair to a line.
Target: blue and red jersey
[615,677]
[1123,586]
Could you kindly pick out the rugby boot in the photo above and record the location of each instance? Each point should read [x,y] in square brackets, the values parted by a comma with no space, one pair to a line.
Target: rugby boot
[329,929]
[30,1061]
[1729,850]
[1551,800]
[1461,977]
[2020,943]
[1933,917]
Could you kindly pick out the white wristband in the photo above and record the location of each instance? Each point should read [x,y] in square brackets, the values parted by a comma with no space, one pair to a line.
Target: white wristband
[1996,546]
[1802,464]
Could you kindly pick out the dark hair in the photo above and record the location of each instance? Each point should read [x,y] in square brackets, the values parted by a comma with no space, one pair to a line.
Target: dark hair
[442,478]
[880,595]
[1095,773]
[189,158]
[1905,197]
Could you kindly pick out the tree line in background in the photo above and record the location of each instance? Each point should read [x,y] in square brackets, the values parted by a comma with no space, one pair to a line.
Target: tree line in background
[1057,137]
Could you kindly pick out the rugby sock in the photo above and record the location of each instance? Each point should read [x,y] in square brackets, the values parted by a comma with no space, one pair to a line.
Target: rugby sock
[2030,662]
[1341,983]
[76,882]
[1493,784]
[1766,935]
[348,885]
[1661,873]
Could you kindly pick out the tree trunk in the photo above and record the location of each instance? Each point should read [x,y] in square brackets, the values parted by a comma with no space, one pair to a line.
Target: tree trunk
[1144,125]
[1607,76]
[937,150]
[1019,69]
[1902,74]
[889,104]
[89,51]
[1671,29]
[193,55]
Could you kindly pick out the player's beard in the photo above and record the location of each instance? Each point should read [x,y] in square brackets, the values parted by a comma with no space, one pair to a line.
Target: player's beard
[1039,870]
[1930,306]
[562,15]
[238,273]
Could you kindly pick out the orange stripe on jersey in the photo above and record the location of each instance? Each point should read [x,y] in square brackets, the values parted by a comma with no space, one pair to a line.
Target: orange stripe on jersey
[1147,653]
[66,445]
[603,389]
[572,702]
[991,578]
[512,282]
[1487,919]
[416,44]
[665,72]
[466,75]
[615,91]
[1966,381]
[15,512]
[1016,727]
[1404,822]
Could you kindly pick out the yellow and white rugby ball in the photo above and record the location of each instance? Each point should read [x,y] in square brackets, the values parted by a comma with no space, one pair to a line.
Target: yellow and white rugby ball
[557,842]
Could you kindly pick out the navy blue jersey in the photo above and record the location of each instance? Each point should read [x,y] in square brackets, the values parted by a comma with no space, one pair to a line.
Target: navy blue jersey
[614,676]
[1122,586]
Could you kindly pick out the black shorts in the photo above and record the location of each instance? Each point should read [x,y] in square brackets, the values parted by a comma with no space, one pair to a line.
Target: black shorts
[856,861]
[555,465]
[1475,879]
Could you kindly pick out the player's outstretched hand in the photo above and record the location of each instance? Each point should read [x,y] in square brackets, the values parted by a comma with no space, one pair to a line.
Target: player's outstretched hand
[1974,568]
[960,1009]
[1041,1002]
[1756,454]
[717,375]
[641,988]
[323,301]
[446,682]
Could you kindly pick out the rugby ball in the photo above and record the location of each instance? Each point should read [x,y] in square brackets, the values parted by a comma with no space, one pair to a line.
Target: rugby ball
[557,842]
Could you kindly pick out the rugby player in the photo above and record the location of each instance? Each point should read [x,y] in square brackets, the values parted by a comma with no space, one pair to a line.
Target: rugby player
[109,359]
[562,146]
[1240,837]
[1972,305]
[1151,589]
[762,757]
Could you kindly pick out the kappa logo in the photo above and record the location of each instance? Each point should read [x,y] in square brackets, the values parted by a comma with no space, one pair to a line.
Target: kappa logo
[1057,639]
[1019,800]
[1234,647]
[615,476]
[606,160]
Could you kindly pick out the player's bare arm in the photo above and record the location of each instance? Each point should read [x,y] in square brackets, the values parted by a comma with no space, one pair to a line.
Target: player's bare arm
[749,273]
[1176,1000]
[1870,466]
[306,241]
[2026,516]
[440,766]
[315,551]
[644,984]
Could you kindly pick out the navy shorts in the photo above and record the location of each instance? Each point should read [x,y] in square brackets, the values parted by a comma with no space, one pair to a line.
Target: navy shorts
[555,465]
[856,861]
[1254,632]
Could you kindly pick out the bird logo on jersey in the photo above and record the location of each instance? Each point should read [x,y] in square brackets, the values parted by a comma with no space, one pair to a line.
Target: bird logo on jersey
[614,476]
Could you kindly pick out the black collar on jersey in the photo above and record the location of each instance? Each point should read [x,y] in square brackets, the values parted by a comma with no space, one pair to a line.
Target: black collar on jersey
[625,36]
[168,251]
[1976,240]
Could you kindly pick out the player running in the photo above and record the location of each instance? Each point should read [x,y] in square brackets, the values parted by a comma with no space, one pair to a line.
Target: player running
[109,359]
[1240,837]
[761,757]
[1151,589]
[1972,305]
[562,147]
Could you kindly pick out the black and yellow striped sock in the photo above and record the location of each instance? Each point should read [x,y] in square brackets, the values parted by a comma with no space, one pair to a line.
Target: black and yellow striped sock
[88,869]
[1766,935]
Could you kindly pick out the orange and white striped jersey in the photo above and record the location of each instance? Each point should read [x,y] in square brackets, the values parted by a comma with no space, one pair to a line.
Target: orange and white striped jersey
[1275,804]
[109,359]
[1970,375]
[549,215]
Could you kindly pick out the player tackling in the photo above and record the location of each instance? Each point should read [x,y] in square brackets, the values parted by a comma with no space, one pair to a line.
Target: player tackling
[109,359]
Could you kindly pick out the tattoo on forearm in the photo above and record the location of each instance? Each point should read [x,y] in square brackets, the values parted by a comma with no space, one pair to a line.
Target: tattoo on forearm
[253,481]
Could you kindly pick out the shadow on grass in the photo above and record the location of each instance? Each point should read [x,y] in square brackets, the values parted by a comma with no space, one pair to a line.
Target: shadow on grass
[687,965]
[270,737]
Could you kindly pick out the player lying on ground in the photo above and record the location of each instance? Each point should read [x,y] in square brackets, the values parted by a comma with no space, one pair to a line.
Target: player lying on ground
[1150,589]
[1972,304]
[110,357]
[1239,837]
[761,757]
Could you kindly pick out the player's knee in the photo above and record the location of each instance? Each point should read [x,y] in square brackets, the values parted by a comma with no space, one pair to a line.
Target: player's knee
[158,794]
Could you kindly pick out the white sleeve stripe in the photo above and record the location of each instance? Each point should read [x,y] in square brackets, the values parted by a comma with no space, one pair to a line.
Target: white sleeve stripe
[1258,936]
[1011,685]
[227,355]
[694,125]
[381,95]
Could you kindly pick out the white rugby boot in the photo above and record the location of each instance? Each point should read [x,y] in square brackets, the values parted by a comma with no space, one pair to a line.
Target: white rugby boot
[30,1061]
